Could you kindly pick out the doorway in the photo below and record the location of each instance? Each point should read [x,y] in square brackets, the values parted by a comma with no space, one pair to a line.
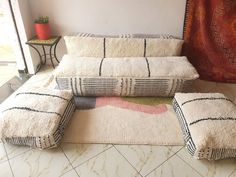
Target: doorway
[9,47]
[10,52]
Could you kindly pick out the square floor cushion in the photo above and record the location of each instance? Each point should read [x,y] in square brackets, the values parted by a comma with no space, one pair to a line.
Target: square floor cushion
[36,117]
[208,122]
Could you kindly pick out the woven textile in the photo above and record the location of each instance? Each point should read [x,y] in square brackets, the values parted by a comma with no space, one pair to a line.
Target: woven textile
[42,115]
[122,47]
[150,76]
[208,123]
[210,38]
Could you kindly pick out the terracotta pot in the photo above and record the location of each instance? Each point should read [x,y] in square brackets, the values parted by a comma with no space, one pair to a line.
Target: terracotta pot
[43,31]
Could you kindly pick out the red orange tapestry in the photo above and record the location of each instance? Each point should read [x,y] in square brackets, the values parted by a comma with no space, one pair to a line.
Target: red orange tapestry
[210,38]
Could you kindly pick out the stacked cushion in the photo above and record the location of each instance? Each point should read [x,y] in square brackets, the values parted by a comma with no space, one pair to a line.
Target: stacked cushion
[208,122]
[128,76]
[128,65]
[122,47]
[156,47]
[36,117]
[85,46]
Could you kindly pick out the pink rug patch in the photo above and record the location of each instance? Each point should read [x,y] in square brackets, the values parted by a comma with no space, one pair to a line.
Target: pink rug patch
[118,102]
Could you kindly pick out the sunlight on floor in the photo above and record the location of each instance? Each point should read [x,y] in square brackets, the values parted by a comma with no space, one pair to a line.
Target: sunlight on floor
[7,72]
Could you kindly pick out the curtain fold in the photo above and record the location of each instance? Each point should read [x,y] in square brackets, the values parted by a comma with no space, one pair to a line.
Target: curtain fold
[210,38]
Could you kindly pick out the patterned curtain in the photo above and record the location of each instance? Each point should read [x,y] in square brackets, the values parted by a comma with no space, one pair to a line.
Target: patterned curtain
[210,38]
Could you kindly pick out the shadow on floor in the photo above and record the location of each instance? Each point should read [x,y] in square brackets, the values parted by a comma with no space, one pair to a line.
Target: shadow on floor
[12,85]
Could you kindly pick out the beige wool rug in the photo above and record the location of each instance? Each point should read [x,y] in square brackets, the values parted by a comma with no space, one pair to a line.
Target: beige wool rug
[116,120]
[127,123]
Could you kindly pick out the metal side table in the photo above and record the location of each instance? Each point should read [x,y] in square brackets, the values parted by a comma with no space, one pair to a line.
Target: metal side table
[51,43]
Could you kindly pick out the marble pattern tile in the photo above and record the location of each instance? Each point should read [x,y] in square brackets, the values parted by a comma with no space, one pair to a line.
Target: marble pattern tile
[145,158]
[207,168]
[174,167]
[71,173]
[3,155]
[14,150]
[8,88]
[175,149]
[233,174]
[5,170]
[40,163]
[79,153]
[107,164]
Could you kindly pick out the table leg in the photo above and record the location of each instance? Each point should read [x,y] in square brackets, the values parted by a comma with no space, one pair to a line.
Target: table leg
[40,57]
[44,53]
[55,55]
[50,53]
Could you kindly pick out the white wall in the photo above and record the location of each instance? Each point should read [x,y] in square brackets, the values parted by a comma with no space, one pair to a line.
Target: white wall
[111,16]
[24,22]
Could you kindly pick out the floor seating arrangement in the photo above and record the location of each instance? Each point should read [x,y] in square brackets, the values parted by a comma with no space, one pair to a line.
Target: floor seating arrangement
[96,66]
[123,66]
[208,122]
[37,118]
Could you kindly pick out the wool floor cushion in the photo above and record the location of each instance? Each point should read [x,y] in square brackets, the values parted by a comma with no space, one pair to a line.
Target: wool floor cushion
[36,117]
[208,122]
[127,76]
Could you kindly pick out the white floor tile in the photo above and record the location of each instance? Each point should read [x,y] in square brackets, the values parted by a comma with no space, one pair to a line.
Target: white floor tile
[5,170]
[175,148]
[3,155]
[38,163]
[233,174]
[79,153]
[209,168]
[14,150]
[145,158]
[174,167]
[71,173]
[107,164]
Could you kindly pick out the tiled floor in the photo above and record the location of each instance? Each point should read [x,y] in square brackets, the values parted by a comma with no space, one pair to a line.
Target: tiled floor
[7,72]
[8,68]
[100,160]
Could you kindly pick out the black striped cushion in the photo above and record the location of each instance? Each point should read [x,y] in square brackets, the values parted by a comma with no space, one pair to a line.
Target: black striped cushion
[208,122]
[47,109]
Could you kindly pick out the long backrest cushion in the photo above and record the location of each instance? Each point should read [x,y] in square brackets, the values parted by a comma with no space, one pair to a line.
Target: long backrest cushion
[122,47]
[156,47]
[84,46]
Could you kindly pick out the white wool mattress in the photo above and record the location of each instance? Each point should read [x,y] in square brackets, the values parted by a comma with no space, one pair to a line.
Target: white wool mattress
[208,122]
[128,76]
[42,115]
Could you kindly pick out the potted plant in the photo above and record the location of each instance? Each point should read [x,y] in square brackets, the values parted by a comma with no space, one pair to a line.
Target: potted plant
[42,27]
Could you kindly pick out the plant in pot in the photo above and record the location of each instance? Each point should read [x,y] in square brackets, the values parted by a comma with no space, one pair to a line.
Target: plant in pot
[42,27]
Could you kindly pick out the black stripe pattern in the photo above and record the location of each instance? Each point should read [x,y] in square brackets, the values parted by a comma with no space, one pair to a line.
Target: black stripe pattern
[122,86]
[41,94]
[100,67]
[206,98]
[212,119]
[47,141]
[207,152]
[104,47]
[145,46]
[31,110]
[148,67]
[184,127]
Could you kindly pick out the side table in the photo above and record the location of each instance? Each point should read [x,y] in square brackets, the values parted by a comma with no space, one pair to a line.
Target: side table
[51,43]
